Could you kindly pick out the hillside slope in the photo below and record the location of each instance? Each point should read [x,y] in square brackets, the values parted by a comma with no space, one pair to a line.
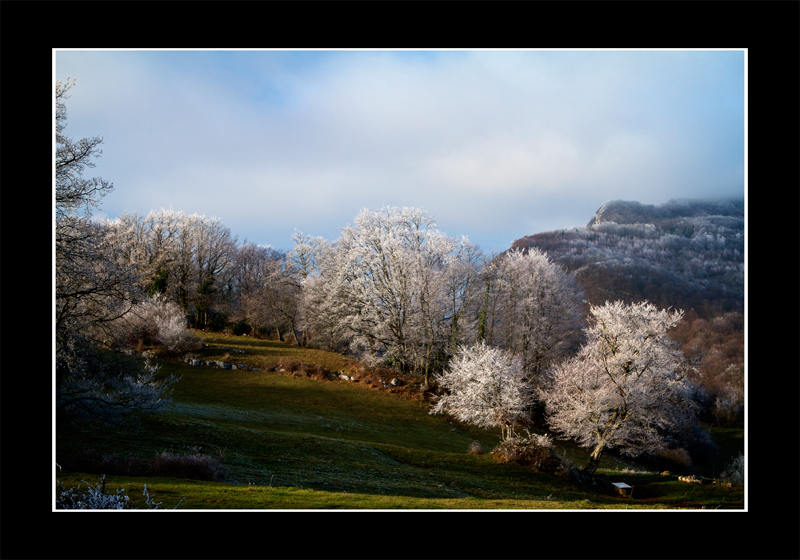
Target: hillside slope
[267,436]
[684,253]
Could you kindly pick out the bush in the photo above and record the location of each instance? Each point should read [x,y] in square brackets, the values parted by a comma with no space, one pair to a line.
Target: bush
[96,498]
[735,470]
[95,384]
[728,407]
[475,448]
[287,365]
[174,336]
[318,373]
[240,328]
[214,321]
[156,321]
[534,451]
[677,460]
[90,460]
[196,466]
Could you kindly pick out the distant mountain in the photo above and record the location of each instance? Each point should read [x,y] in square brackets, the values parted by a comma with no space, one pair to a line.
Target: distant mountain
[684,254]
[631,212]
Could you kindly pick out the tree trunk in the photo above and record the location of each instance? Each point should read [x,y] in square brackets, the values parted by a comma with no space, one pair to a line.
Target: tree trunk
[483,315]
[594,459]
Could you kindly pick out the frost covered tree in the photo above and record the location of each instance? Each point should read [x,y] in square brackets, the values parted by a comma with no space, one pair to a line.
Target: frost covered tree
[627,388]
[147,242]
[301,264]
[533,308]
[188,257]
[486,387]
[307,254]
[91,287]
[391,281]
[93,291]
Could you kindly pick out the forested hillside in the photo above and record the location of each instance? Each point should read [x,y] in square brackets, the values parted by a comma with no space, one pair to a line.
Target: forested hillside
[684,254]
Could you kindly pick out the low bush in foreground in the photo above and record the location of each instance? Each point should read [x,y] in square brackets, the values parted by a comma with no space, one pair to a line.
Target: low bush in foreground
[95,497]
[196,466]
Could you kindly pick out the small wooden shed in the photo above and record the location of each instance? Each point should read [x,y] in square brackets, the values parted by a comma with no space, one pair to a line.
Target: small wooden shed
[623,489]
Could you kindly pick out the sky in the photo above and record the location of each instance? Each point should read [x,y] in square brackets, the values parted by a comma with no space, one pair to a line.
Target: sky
[493,144]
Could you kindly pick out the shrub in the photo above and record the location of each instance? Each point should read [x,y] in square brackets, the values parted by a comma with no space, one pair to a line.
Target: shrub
[90,460]
[95,384]
[214,321]
[533,450]
[96,498]
[735,470]
[197,466]
[240,328]
[318,373]
[676,459]
[728,407]
[156,321]
[174,335]
[286,365]
[475,448]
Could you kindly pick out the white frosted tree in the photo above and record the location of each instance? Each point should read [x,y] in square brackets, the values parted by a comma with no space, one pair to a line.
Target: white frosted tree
[389,281]
[486,387]
[146,242]
[188,257]
[91,287]
[306,256]
[533,308]
[462,284]
[93,290]
[627,388]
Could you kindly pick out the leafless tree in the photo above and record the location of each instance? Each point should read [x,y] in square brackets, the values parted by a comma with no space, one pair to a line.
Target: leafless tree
[91,287]
[93,290]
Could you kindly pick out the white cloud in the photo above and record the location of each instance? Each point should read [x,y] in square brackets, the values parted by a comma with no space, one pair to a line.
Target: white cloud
[498,143]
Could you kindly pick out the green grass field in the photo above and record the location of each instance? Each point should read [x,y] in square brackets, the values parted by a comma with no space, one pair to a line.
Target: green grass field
[293,442]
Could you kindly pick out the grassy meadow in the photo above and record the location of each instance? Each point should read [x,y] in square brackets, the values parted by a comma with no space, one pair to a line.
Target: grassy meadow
[297,439]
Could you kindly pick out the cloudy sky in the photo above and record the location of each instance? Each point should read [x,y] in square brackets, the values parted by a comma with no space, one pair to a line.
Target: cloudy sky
[495,145]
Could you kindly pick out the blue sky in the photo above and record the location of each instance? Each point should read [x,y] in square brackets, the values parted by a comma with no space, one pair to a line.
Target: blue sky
[495,145]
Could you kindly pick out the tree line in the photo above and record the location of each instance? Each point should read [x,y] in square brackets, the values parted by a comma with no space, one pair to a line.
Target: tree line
[392,289]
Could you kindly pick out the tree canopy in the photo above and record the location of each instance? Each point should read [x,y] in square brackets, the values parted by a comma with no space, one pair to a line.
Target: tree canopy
[485,386]
[627,388]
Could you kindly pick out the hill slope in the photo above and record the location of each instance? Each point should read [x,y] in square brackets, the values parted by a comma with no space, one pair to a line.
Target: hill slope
[293,440]
[684,253]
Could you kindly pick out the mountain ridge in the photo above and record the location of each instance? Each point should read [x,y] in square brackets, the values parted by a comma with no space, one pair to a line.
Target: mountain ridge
[630,212]
[685,253]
